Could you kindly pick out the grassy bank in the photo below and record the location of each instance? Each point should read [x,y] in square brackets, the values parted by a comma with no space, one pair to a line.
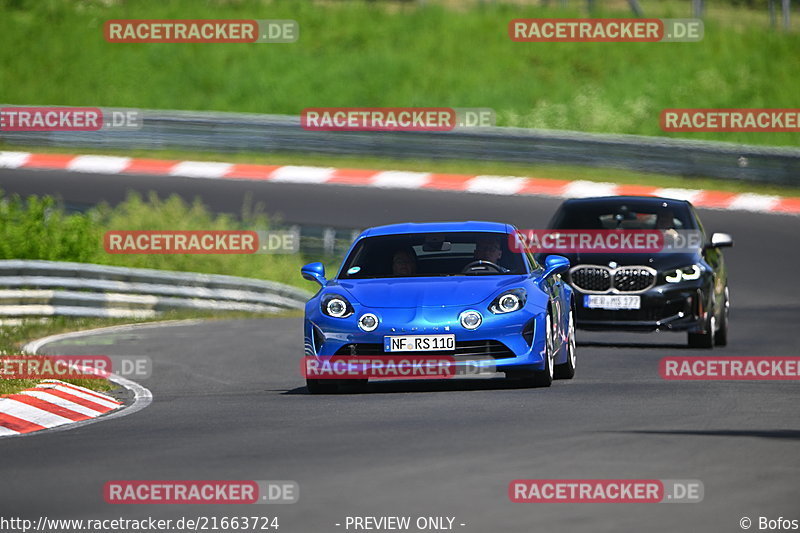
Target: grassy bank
[14,337]
[379,54]
[38,228]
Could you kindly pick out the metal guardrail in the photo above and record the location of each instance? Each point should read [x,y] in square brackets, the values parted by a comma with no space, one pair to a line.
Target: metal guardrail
[30,288]
[230,132]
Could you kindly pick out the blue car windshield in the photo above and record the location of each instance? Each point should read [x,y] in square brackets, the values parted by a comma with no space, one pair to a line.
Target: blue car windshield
[433,254]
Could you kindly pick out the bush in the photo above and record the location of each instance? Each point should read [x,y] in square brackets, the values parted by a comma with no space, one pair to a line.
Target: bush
[38,228]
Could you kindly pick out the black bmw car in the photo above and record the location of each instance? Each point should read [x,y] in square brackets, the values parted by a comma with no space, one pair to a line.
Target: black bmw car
[681,288]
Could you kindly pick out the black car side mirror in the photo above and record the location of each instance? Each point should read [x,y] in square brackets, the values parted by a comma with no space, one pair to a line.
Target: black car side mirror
[720,240]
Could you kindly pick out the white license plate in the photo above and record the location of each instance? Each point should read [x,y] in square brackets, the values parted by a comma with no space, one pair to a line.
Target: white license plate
[612,301]
[419,343]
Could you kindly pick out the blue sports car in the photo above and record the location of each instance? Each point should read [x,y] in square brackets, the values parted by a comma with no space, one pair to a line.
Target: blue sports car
[459,289]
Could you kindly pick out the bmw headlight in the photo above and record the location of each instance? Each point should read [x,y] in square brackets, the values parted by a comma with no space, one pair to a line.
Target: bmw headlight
[684,274]
[368,322]
[336,306]
[470,319]
[508,302]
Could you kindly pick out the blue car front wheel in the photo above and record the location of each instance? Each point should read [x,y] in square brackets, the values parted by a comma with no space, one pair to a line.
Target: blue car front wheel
[544,378]
[567,370]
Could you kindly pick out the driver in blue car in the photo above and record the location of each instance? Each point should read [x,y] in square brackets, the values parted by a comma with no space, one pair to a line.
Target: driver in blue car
[404,262]
[489,249]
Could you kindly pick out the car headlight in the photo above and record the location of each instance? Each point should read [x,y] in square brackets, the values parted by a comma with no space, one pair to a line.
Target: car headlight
[508,302]
[684,274]
[470,319]
[336,306]
[368,322]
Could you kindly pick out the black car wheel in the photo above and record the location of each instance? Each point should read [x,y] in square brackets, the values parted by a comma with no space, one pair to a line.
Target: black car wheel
[721,336]
[704,340]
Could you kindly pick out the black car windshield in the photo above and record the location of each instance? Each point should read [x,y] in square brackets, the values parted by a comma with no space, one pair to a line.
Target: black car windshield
[433,254]
[624,216]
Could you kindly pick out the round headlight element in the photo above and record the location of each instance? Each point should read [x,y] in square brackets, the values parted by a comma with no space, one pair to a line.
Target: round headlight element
[508,303]
[470,319]
[336,307]
[368,322]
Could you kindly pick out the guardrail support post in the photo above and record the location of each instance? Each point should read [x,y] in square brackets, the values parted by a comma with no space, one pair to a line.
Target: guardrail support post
[329,241]
[785,8]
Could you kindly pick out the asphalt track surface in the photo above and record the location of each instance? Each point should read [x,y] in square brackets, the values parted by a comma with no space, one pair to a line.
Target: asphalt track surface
[230,403]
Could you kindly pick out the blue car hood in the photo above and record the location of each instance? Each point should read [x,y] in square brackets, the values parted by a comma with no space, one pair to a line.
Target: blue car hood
[428,292]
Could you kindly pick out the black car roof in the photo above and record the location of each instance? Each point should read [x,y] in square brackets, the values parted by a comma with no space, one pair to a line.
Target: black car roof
[647,200]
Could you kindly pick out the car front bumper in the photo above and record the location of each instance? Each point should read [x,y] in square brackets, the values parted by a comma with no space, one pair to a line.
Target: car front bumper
[663,308]
[512,340]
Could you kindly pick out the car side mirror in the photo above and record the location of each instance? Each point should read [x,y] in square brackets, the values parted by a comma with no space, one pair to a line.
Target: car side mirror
[555,264]
[720,240]
[314,272]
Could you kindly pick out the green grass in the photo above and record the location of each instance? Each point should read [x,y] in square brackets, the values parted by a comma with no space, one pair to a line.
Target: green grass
[547,171]
[13,338]
[379,54]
